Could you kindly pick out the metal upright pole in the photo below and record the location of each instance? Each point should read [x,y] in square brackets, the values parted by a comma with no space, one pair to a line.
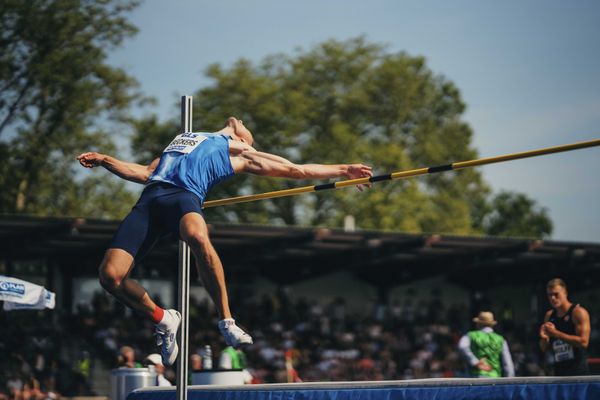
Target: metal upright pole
[184,280]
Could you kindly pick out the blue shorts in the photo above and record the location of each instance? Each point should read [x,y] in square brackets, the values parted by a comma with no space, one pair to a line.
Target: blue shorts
[155,216]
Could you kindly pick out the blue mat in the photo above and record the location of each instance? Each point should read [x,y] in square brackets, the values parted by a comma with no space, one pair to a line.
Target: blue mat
[539,388]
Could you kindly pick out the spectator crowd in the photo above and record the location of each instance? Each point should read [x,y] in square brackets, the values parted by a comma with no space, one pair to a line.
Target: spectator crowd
[49,355]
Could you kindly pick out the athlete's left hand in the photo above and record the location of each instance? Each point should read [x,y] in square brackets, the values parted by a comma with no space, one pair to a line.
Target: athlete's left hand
[356,171]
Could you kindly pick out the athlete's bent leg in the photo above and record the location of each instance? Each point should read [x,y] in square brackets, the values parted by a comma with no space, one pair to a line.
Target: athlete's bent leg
[194,231]
[114,277]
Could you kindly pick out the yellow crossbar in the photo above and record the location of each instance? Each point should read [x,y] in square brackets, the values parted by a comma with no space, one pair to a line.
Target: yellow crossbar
[403,174]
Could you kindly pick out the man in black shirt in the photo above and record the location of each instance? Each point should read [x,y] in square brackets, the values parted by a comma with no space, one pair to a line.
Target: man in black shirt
[565,331]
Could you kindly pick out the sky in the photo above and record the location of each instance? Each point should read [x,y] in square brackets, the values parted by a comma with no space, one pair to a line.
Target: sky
[528,71]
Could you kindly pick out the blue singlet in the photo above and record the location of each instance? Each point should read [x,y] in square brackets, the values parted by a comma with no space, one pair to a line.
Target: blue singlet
[190,165]
[195,162]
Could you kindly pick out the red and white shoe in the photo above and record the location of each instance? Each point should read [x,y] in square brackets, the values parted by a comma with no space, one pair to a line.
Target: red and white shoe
[166,336]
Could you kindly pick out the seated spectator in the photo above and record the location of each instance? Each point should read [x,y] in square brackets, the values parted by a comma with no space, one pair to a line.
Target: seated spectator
[126,358]
[196,362]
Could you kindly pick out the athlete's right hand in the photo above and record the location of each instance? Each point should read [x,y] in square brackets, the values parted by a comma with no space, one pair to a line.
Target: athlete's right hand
[90,159]
[357,171]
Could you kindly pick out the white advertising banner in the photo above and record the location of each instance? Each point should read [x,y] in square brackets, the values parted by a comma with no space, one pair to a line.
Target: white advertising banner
[20,294]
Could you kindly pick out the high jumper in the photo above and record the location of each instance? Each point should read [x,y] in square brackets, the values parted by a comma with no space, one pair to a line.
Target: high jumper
[176,186]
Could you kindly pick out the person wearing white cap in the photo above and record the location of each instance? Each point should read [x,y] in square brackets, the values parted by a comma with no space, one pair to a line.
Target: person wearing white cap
[156,360]
[485,351]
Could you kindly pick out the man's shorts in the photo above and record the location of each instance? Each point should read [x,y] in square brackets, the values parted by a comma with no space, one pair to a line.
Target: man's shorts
[155,216]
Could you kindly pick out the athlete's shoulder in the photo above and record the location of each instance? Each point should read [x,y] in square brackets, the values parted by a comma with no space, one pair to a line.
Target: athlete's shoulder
[580,313]
[237,147]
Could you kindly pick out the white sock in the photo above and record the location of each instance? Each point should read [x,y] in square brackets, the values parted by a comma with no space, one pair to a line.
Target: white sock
[227,322]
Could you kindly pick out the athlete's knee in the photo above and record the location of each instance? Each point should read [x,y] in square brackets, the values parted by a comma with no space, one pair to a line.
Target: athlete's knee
[111,278]
[199,240]
[114,268]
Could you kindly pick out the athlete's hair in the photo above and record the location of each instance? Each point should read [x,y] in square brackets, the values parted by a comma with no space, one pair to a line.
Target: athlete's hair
[556,282]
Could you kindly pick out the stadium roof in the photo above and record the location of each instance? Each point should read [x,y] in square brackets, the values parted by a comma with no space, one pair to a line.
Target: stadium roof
[291,254]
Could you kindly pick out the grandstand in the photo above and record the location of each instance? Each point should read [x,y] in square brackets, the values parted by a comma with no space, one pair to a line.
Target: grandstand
[404,298]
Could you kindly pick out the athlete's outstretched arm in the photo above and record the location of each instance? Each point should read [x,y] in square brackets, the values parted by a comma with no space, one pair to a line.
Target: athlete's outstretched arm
[266,164]
[130,171]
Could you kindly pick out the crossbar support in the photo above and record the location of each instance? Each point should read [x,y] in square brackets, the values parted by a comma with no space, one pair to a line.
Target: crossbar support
[184,281]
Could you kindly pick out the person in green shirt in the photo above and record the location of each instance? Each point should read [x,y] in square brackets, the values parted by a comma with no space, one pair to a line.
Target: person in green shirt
[485,351]
[235,359]
[232,358]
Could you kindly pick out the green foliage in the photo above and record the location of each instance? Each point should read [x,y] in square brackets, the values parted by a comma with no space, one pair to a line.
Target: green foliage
[152,137]
[515,214]
[344,102]
[339,102]
[58,97]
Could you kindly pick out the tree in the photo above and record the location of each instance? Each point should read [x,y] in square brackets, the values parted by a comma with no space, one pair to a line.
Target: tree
[58,96]
[347,101]
[515,214]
